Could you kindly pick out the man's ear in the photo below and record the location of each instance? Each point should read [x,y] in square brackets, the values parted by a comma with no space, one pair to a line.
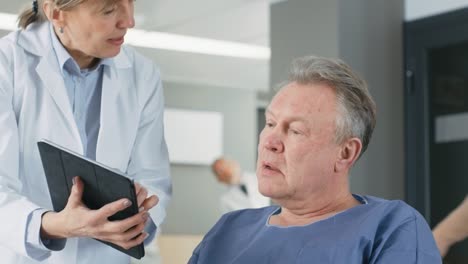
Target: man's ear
[348,154]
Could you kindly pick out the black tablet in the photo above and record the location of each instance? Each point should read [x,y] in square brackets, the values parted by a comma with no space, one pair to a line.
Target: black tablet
[102,184]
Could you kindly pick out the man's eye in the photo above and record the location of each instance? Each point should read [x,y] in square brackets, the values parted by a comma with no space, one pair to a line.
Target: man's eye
[108,12]
[295,132]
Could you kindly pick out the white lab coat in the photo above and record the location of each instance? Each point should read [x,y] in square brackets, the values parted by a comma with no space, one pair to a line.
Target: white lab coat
[235,199]
[34,105]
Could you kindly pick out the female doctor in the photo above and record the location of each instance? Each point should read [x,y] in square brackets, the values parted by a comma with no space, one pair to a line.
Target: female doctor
[65,77]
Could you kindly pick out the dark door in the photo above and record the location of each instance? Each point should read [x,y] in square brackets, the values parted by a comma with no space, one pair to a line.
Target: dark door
[436,117]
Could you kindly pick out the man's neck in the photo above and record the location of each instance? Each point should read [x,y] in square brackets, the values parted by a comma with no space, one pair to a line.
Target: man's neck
[313,212]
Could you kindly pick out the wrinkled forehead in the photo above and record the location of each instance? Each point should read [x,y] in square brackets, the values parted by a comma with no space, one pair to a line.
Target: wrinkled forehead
[107,3]
[308,103]
[104,4]
[318,94]
[98,4]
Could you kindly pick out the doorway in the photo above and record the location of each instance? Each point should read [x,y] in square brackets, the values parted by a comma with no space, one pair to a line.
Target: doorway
[436,117]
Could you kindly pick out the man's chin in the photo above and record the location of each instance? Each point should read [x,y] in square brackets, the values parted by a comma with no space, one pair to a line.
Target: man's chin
[268,192]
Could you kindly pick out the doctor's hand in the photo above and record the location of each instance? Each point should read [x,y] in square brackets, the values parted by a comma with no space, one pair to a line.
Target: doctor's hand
[77,220]
[144,202]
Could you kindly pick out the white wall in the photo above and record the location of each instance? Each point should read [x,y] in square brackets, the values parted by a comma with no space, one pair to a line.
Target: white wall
[415,9]
[372,45]
[195,205]
[299,28]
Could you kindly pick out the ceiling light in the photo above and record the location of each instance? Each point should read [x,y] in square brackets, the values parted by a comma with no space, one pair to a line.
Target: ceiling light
[168,41]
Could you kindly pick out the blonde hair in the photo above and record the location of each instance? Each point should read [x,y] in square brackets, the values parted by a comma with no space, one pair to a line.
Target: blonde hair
[29,16]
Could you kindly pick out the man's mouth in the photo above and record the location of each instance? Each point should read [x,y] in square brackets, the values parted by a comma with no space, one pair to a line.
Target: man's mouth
[270,166]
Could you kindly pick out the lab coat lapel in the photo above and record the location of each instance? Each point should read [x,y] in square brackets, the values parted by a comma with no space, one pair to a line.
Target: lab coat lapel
[109,117]
[49,74]
[55,85]
[36,40]
[53,82]
[112,129]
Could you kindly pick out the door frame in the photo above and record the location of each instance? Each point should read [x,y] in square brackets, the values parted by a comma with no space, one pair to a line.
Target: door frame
[419,37]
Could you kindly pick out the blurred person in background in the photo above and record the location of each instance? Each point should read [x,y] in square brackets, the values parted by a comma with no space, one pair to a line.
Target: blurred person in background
[242,190]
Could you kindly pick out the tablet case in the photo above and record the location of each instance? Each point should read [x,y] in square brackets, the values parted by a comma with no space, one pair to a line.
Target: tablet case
[102,185]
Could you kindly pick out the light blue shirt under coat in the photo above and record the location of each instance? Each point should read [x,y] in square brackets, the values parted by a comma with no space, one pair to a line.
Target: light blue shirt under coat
[84,88]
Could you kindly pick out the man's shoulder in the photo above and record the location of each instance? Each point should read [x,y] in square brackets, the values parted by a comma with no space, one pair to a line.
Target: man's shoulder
[393,225]
[245,221]
[383,215]
[394,207]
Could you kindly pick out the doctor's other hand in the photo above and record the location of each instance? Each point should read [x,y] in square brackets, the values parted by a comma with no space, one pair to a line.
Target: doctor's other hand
[144,202]
[77,220]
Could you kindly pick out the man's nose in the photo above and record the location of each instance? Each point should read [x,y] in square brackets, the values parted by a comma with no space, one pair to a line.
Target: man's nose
[273,143]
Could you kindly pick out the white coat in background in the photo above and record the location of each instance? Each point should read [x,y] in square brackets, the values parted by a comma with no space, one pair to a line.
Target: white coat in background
[236,199]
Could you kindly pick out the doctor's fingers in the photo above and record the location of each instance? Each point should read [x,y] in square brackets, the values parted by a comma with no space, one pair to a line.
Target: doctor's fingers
[112,208]
[131,243]
[127,235]
[150,202]
[122,226]
[141,195]
[76,192]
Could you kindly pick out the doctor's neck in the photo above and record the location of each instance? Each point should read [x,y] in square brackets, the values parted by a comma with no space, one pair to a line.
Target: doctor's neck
[83,60]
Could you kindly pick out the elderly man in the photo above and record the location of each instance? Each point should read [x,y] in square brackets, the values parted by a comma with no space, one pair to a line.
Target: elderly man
[317,126]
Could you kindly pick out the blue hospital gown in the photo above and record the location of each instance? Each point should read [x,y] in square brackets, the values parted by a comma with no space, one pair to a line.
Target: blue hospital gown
[377,231]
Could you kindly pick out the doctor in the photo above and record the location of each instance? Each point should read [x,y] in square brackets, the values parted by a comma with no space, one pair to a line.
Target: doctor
[242,189]
[66,77]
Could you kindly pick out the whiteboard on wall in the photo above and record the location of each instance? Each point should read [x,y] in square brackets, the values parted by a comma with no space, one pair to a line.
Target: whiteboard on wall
[193,137]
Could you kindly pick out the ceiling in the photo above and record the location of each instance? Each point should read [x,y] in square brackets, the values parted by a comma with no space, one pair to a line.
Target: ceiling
[245,21]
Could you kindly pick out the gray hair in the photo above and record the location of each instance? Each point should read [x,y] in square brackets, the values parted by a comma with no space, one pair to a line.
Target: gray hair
[356,108]
[29,16]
